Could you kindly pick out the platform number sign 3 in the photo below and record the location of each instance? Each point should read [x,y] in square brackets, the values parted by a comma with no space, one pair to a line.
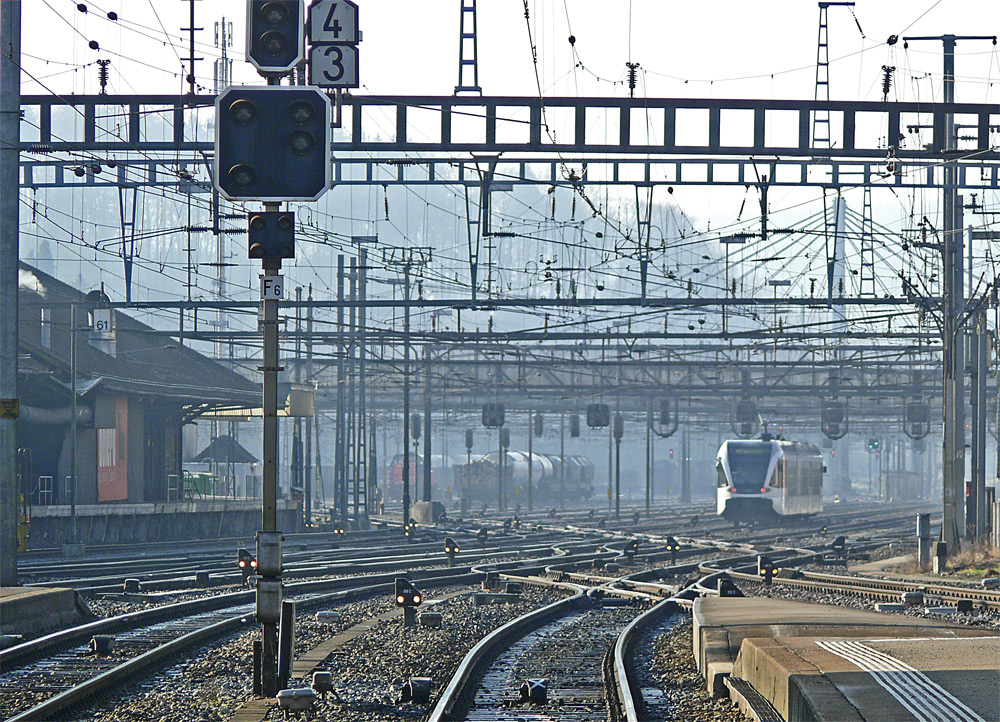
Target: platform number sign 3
[333,40]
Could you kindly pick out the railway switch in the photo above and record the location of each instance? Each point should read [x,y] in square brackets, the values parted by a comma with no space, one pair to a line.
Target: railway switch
[912,599]
[132,586]
[247,564]
[102,644]
[203,579]
[535,691]
[327,617]
[296,700]
[416,689]
[431,620]
[481,534]
[322,682]
[490,582]
[513,588]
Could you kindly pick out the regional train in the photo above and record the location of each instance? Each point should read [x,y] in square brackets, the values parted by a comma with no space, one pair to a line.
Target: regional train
[769,479]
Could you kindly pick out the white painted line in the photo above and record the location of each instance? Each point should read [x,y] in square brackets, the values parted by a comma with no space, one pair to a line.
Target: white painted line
[926,700]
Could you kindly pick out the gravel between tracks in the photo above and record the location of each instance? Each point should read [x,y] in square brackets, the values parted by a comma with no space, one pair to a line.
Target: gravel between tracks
[668,665]
[368,672]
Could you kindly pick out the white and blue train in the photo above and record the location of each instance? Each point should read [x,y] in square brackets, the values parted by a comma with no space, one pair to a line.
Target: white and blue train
[763,480]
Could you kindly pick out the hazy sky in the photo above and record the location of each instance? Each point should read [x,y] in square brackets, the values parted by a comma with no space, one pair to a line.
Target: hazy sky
[764,49]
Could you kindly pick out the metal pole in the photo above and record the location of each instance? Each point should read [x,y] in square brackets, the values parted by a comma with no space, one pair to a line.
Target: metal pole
[340,475]
[500,456]
[406,396]
[298,463]
[72,423]
[269,631]
[352,426]
[10,142]
[362,390]
[618,478]
[611,474]
[308,449]
[427,424]
[562,460]
[531,434]
[977,523]
[649,424]
[685,466]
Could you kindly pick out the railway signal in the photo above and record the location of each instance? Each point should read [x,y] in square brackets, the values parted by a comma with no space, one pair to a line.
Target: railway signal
[493,415]
[409,598]
[539,424]
[598,416]
[630,549]
[574,426]
[275,35]
[873,444]
[766,569]
[247,564]
[451,548]
[833,417]
[673,547]
[271,235]
[272,144]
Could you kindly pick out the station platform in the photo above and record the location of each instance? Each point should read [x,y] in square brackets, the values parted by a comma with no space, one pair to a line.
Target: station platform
[30,610]
[99,524]
[829,663]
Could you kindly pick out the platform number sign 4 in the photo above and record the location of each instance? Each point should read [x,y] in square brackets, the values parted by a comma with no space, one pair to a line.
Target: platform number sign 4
[333,40]
[333,21]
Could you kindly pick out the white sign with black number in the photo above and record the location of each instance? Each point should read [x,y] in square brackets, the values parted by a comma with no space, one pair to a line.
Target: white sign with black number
[333,21]
[102,321]
[272,288]
[334,66]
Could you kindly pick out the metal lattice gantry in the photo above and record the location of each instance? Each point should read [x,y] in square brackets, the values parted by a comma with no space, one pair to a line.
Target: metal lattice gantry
[154,140]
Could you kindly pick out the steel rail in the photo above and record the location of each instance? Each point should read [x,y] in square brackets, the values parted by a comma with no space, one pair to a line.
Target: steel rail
[115,676]
[485,648]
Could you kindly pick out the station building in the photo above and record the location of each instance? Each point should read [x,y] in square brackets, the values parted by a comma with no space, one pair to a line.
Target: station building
[136,389]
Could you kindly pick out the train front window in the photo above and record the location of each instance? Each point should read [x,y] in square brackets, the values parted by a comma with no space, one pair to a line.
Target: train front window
[748,464]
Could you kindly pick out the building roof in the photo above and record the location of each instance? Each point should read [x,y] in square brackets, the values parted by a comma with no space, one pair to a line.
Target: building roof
[145,362]
[225,450]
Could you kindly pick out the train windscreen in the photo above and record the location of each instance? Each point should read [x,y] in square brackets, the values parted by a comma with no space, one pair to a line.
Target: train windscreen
[748,463]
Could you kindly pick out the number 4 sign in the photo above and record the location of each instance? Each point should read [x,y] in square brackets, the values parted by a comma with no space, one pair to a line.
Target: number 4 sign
[333,21]
[333,37]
